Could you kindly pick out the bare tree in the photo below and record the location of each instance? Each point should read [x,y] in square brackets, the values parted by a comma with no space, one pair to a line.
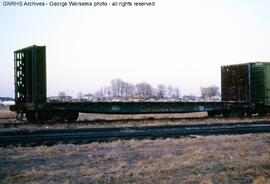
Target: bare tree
[172,92]
[144,90]
[62,95]
[103,93]
[129,90]
[175,93]
[108,92]
[99,94]
[161,91]
[121,89]
[209,92]
[124,90]
[116,87]
[169,91]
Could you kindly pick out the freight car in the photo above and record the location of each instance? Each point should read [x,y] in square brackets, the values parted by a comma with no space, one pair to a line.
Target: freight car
[245,91]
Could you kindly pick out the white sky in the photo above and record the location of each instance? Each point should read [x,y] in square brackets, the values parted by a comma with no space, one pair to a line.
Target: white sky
[178,42]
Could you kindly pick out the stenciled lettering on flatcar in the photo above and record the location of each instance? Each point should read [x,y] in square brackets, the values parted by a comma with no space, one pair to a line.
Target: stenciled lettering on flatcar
[115,108]
[201,108]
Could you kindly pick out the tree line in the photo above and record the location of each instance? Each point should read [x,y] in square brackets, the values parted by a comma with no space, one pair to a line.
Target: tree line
[122,90]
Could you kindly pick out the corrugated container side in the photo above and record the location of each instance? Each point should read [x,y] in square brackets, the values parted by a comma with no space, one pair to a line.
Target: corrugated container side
[235,82]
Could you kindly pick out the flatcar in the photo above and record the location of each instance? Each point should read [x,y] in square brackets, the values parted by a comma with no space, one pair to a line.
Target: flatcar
[245,91]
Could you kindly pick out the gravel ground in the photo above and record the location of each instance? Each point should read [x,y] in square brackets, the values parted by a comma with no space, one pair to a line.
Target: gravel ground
[6,113]
[212,159]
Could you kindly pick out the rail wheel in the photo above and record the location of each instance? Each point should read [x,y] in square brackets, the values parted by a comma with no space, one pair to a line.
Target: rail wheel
[240,113]
[72,116]
[59,116]
[213,113]
[64,116]
[43,116]
[226,114]
[249,113]
[31,116]
[261,112]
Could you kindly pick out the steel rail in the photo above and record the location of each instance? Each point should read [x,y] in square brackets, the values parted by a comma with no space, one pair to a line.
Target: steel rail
[79,136]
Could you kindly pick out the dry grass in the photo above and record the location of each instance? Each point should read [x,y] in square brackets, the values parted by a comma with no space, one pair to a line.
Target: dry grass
[214,159]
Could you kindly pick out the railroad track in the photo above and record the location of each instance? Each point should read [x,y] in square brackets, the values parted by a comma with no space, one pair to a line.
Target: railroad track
[80,136]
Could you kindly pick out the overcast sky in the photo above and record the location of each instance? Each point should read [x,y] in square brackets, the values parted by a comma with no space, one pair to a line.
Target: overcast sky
[177,42]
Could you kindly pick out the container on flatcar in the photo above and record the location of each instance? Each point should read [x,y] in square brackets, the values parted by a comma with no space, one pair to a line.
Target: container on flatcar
[248,82]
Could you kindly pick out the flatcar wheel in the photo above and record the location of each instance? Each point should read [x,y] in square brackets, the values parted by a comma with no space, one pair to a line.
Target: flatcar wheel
[249,113]
[211,114]
[57,116]
[31,116]
[62,117]
[262,113]
[72,116]
[226,114]
[241,114]
[43,116]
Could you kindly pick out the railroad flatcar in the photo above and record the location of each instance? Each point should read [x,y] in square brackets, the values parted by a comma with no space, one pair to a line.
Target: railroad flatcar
[245,91]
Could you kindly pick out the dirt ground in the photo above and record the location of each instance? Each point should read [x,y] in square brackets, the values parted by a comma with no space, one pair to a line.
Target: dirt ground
[213,159]
[6,113]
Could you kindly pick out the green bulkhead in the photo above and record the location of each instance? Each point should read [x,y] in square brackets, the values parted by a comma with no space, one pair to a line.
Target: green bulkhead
[30,75]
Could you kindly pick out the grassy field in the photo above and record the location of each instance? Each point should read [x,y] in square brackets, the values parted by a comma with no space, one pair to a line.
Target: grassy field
[213,159]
